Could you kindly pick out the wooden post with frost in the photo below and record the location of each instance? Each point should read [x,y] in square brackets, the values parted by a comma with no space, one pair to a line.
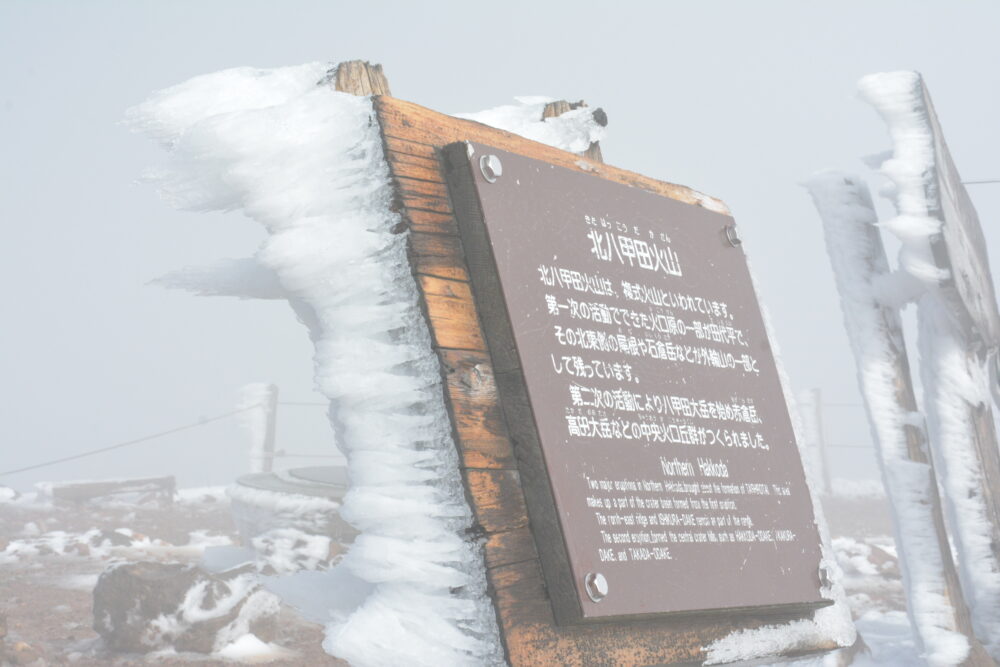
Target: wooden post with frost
[959,324]
[559,107]
[875,330]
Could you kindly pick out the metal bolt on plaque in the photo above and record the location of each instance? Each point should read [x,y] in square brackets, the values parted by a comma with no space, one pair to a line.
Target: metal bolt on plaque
[597,586]
[733,236]
[491,167]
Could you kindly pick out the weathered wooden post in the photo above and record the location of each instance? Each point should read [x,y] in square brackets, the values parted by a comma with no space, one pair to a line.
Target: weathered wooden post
[934,598]
[944,253]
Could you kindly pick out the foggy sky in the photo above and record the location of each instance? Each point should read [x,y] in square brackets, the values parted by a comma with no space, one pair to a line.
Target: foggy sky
[738,100]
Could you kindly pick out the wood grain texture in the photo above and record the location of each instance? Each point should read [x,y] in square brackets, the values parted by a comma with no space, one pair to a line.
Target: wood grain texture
[509,547]
[452,313]
[490,436]
[405,124]
[360,77]
[472,398]
[499,502]
[437,255]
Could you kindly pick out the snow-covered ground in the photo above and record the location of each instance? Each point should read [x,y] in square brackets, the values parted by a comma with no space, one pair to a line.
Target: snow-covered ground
[52,554]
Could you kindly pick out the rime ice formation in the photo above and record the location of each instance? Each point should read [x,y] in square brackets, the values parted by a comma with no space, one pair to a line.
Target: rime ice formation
[848,216]
[952,384]
[573,131]
[306,162]
[243,278]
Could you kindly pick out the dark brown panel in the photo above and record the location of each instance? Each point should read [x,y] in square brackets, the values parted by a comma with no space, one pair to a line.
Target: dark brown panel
[636,377]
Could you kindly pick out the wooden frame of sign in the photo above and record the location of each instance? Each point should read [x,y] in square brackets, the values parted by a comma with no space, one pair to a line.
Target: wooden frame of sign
[493,463]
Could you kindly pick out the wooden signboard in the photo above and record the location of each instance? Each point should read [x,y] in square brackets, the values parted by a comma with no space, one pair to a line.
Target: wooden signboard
[634,371]
[554,466]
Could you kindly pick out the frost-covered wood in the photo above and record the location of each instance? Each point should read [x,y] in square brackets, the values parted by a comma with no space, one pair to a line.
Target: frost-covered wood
[308,163]
[559,107]
[413,135]
[943,255]
[935,602]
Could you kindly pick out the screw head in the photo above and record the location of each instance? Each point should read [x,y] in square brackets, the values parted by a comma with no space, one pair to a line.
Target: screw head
[491,167]
[733,236]
[596,585]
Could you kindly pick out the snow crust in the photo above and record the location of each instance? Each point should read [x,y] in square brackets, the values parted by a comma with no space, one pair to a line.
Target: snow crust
[573,131]
[953,386]
[249,649]
[97,543]
[306,162]
[848,216]
[287,550]
[209,600]
[198,495]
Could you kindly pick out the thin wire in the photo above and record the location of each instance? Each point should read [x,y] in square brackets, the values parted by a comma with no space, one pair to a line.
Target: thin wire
[200,422]
[323,405]
[306,456]
[979,182]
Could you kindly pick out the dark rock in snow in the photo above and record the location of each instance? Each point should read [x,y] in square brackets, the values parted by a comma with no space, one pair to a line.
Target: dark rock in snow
[140,607]
[22,653]
[112,537]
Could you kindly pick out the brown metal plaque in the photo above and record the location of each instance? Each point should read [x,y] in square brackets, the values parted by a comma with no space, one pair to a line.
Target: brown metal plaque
[656,451]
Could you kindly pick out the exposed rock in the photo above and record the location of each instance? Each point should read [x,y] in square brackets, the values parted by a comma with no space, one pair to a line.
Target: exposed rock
[140,607]
[22,653]
[111,537]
